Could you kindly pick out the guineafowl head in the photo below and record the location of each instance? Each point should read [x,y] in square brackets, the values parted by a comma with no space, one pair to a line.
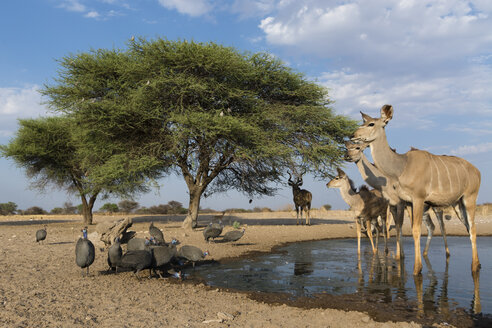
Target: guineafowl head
[84,233]
[206,253]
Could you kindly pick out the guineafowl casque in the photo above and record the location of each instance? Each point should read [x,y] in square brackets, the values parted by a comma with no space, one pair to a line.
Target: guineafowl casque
[41,234]
[84,252]
[114,255]
[191,253]
[157,234]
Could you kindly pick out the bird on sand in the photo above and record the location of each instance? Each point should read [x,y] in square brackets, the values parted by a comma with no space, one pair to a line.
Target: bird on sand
[233,235]
[84,252]
[213,230]
[156,233]
[41,234]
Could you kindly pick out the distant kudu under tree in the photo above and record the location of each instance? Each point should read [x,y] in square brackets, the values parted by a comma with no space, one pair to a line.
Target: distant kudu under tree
[302,198]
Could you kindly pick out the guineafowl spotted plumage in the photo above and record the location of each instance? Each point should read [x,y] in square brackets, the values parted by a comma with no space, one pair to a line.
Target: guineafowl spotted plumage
[213,230]
[41,234]
[191,253]
[84,252]
[156,233]
[114,254]
[233,235]
[137,261]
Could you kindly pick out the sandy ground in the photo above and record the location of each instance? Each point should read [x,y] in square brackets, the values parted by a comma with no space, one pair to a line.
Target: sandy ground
[41,286]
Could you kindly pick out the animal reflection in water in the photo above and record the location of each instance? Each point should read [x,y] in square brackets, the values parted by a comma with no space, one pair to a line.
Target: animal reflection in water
[383,273]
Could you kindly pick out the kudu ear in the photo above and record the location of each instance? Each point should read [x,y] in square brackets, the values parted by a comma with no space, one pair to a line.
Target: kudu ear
[340,172]
[365,117]
[387,113]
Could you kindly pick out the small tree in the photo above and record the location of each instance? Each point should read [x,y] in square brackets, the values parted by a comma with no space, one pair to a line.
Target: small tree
[56,210]
[109,207]
[68,208]
[8,208]
[128,206]
[34,210]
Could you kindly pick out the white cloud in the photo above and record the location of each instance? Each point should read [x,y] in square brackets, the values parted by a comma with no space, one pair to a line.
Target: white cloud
[473,149]
[188,7]
[18,103]
[92,14]
[73,5]
[466,92]
[383,35]
[256,8]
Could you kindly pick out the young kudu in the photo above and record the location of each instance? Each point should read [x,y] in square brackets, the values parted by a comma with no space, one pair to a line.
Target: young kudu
[302,198]
[367,204]
[424,177]
[375,178]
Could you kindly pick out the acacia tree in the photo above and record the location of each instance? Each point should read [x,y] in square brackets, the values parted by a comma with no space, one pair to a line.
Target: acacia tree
[220,118]
[50,153]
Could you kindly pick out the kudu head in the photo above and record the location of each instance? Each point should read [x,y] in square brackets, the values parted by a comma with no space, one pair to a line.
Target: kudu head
[297,183]
[354,151]
[338,181]
[372,128]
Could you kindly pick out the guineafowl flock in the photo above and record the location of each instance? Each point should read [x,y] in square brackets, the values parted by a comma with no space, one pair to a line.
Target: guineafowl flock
[150,253]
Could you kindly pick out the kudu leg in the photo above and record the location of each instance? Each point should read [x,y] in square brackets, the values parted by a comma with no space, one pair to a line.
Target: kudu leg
[417,212]
[469,203]
[369,234]
[398,213]
[439,216]
[430,231]
[357,224]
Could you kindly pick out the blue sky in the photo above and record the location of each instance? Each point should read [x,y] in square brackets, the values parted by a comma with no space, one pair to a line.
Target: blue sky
[432,60]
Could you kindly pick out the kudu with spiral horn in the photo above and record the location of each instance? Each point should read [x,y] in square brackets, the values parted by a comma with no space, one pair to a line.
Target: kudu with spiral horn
[302,198]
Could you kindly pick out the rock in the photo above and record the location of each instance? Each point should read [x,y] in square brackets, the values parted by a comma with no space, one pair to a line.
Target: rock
[213,321]
[225,316]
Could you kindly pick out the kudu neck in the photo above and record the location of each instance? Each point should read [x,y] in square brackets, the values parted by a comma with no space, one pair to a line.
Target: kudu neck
[386,160]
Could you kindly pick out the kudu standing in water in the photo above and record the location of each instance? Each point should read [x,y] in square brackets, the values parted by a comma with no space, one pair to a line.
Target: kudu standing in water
[367,204]
[422,178]
[302,198]
[373,177]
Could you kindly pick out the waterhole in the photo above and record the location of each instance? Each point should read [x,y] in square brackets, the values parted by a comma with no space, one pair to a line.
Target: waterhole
[332,267]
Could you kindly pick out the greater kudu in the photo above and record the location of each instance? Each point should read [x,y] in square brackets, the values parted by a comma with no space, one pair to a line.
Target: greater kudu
[367,204]
[373,177]
[424,177]
[302,198]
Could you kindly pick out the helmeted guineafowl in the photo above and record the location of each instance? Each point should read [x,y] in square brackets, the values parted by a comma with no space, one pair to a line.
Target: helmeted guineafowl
[138,244]
[84,252]
[233,235]
[213,230]
[137,261]
[162,256]
[41,234]
[156,233]
[191,253]
[114,254]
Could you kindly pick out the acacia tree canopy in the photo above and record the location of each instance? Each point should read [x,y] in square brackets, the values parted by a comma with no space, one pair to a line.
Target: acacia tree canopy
[220,118]
[52,155]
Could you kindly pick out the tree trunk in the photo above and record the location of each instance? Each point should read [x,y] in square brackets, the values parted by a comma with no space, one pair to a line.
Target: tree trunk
[191,220]
[87,208]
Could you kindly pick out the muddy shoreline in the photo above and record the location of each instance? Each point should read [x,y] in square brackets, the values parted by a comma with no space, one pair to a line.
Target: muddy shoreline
[41,285]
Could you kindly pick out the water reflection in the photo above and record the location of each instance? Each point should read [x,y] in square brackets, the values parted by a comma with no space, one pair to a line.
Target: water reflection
[332,266]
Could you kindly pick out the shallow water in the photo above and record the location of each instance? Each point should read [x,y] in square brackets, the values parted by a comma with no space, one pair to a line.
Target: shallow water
[331,266]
